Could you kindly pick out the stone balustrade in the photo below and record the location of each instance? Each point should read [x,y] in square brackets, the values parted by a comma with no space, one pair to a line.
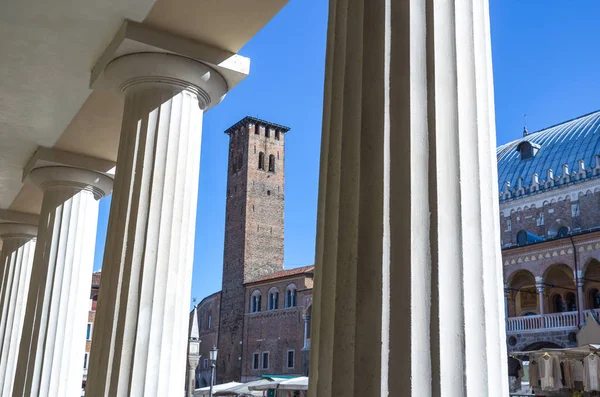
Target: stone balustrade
[545,321]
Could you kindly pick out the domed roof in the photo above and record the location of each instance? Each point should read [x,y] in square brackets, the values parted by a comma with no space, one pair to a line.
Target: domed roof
[565,143]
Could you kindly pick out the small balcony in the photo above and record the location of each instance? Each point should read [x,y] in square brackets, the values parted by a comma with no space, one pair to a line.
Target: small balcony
[554,321]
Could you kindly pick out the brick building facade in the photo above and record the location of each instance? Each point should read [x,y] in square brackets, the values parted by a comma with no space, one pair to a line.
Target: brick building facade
[549,185]
[550,238]
[95,287]
[259,319]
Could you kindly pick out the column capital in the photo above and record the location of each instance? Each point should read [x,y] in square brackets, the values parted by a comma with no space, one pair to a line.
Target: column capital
[17,230]
[48,177]
[130,71]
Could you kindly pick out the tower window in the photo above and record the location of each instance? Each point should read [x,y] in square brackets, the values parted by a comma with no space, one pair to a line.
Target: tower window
[277,132]
[267,132]
[271,163]
[261,161]
[255,302]
[273,299]
[256,129]
[290,296]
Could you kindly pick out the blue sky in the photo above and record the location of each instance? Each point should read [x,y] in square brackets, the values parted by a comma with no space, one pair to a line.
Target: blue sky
[546,63]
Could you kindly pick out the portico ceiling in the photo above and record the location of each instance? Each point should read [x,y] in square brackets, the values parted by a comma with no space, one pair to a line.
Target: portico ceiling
[47,50]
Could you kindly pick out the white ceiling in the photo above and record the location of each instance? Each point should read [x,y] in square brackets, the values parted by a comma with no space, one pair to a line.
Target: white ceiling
[47,50]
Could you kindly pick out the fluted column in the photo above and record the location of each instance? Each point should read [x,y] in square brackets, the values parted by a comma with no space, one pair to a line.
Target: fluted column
[141,341]
[17,259]
[50,360]
[408,283]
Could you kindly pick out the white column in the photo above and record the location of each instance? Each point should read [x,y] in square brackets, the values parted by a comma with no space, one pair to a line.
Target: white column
[16,258]
[540,286]
[579,281]
[140,347]
[408,283]
[506,300]
[306,319]
[51,352]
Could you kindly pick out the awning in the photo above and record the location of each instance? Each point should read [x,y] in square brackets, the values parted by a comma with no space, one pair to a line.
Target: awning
[300,383]
[205,391]
[243,389]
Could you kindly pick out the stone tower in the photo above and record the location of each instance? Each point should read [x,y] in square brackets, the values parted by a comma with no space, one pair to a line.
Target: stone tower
[253,228]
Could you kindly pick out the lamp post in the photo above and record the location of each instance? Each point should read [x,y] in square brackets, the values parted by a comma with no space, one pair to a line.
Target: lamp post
[213,364]
[193,358]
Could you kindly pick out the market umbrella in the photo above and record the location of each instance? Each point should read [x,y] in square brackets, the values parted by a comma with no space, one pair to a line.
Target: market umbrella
[300,383]
[205,391]
[243,389]
[270,384]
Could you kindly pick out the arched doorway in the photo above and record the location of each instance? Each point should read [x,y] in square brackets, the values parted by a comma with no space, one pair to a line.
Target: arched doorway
[593,298]
[522,294]
[558,305]
[559,281]
[591,284]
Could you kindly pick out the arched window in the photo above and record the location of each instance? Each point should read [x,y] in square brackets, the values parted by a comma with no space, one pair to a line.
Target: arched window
[559,306]
[255,302]
[594,298]
[261,161]
[271,163]
[290,296]
[273,299]
[571,302]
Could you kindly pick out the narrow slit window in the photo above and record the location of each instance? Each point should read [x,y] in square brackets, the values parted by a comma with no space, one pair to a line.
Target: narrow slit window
[271,163]
[261,161]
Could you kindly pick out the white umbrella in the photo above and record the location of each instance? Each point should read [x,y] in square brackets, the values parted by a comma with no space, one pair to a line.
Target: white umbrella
[205,391]
[243,390]
[270,384]
[300,383]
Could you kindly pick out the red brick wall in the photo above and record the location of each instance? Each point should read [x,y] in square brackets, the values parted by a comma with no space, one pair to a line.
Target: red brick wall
[274,331]
[527,219]
[253,232]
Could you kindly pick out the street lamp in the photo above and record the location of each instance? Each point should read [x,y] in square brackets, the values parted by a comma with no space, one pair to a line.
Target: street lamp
[193,358]
[213,364]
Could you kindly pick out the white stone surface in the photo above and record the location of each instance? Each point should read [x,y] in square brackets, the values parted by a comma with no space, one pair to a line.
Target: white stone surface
[50,360]
[140,347]
[408,283]
[16,261]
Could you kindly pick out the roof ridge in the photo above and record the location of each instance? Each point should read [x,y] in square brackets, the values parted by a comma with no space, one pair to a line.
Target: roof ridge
[557,124]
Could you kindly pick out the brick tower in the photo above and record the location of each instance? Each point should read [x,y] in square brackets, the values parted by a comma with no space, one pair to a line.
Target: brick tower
[253,228]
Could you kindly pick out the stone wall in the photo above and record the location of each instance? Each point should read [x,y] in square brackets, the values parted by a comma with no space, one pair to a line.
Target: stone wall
[533,340]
